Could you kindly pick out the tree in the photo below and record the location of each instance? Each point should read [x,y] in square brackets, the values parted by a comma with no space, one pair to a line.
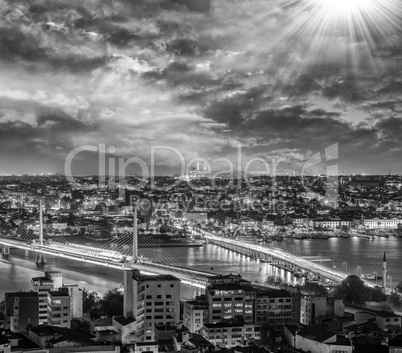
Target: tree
[275,281]
[90,304]
[112,303]
[84,323]
[353,290]
[398,287]
[376,295]
[313,288]
[395,301]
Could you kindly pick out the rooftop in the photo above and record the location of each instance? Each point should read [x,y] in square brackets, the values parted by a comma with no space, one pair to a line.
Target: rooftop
[123,320]
[316,333]
[200,341]
[274,293]
[107,321]
[231,286]
[385,314]
[150,278]
[22,294]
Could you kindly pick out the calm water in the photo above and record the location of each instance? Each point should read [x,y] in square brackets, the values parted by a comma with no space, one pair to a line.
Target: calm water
[361,255]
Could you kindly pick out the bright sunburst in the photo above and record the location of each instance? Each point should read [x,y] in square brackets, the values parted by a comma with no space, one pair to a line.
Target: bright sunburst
[343,31]
[346,7]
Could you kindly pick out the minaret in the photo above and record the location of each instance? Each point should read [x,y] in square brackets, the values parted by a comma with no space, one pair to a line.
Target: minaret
[384,272]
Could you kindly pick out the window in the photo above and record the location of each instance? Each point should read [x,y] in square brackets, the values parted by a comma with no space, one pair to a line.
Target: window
[168,296]
[172,285]
[158,296]
[149,296]
[159,285]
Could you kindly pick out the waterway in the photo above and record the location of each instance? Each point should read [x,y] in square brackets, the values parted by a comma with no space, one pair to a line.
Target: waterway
[358,256]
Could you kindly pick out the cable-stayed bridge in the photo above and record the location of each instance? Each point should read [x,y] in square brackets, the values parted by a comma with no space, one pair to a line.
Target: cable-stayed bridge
[120,253]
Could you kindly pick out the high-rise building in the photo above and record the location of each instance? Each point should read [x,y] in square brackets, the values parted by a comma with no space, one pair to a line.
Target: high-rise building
[151,300]
[53,281]
[21,309]
[75,294]
[42,285]
[58,308]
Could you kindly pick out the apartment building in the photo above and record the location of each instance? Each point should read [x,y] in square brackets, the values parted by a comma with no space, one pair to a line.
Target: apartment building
[21,309]
[151,300]
[58,308]
[195,314]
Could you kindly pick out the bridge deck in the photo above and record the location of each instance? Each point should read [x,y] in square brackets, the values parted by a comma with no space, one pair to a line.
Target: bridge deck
[99,257]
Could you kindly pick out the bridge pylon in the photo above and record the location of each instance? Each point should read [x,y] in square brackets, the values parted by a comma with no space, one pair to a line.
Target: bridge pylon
[129,305]
[40,257]
[5,250]
[135,236]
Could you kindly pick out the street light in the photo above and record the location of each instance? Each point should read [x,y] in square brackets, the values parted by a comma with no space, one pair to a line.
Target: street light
[346,266]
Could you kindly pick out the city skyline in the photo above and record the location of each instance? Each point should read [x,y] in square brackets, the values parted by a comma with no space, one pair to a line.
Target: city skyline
[283,79]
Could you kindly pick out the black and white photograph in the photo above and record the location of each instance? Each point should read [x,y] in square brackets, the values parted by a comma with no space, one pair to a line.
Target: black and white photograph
[201,176]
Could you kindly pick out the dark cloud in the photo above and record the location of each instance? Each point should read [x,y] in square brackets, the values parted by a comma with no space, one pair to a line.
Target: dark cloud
[200,76]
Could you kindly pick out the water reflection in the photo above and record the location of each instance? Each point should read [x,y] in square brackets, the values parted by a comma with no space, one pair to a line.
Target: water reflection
[361,255]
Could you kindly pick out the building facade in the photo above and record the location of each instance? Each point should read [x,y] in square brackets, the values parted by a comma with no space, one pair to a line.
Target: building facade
[195,314]
[21,309]
[58,308]
[151,300]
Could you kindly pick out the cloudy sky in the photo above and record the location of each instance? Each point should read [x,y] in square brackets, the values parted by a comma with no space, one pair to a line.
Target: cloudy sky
[282,79]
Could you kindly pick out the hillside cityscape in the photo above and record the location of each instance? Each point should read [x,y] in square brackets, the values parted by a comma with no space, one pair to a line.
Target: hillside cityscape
[200,176]
[231,312]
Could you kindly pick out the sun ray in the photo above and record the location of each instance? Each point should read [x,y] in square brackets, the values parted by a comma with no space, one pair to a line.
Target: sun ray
[346,32]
